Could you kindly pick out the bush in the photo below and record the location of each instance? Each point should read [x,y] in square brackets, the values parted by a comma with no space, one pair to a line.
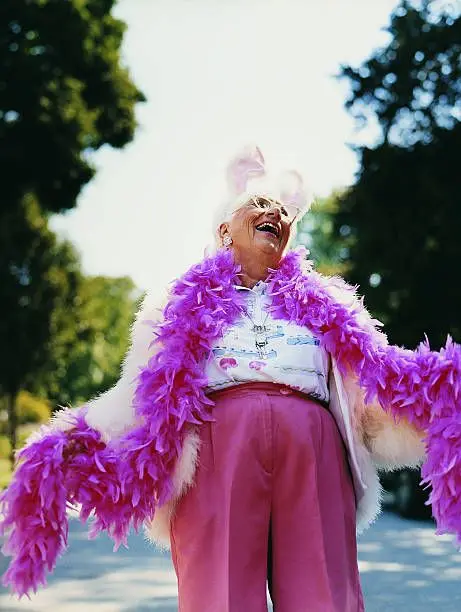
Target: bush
[23,434]
[4,447]
[31,409]
[5,473]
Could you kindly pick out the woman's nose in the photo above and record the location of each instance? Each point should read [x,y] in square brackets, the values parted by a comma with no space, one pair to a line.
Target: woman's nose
[274,211]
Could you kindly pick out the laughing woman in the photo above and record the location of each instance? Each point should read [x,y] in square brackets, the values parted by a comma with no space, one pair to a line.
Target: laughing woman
[247,426]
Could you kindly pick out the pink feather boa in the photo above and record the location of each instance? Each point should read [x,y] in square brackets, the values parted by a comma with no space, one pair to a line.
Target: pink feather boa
[124,482]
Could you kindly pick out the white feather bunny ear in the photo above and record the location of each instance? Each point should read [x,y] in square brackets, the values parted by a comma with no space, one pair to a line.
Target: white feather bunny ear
[293,191]
[248,164]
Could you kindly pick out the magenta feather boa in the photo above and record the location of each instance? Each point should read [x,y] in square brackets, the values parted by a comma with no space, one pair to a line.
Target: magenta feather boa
[124,481]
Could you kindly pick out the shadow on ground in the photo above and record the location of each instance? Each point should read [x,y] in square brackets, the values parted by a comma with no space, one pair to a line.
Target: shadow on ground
[91,577]
[403,566]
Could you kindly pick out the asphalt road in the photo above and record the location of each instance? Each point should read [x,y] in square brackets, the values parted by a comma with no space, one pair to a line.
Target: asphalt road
[404,566]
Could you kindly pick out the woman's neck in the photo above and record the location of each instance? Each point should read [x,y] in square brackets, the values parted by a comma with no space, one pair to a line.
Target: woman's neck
[254,269]
[248,281]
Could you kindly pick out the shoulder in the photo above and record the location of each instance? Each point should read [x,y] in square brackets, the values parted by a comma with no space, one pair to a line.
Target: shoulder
[150,311]
[143,331]
[338,288]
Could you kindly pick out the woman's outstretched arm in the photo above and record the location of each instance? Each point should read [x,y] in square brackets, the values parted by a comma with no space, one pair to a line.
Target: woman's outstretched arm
[67,462]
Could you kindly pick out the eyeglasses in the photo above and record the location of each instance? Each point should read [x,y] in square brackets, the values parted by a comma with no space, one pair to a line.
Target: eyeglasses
[288,211]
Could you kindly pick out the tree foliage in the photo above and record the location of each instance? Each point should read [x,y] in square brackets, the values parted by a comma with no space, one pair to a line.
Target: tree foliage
[39,275]
[90,341]
[66,334]
[64,93]
[403,215]
[316,231]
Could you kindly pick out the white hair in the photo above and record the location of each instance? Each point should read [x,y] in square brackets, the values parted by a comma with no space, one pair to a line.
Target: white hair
[265,187]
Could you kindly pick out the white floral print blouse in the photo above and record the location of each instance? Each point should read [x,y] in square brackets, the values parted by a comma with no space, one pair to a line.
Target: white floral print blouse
[258,348]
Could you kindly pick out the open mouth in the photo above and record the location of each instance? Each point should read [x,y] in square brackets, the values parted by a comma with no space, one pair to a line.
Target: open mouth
[270,228]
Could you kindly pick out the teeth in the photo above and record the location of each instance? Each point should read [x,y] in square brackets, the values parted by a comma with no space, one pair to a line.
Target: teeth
[268,225]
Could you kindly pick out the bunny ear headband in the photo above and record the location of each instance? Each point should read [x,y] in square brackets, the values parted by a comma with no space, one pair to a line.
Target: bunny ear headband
[247,177]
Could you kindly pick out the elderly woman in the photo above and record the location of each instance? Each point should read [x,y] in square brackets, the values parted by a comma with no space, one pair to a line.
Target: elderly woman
[247,426]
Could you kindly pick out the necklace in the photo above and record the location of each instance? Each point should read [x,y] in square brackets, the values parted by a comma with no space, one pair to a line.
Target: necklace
[260,331]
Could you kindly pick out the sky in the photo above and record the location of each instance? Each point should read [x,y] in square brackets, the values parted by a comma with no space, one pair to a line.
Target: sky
[218,75]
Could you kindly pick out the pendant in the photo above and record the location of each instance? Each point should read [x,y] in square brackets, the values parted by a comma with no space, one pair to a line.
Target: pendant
[261,341]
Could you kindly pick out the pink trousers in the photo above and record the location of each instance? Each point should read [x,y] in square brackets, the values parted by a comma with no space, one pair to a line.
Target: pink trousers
[272,501]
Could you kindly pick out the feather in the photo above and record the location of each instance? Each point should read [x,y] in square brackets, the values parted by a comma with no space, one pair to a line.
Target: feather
[125,481]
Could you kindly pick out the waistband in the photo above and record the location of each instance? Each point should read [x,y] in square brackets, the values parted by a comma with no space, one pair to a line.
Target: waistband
[263,387]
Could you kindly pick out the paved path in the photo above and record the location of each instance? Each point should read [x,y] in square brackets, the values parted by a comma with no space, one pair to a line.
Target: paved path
[404,566]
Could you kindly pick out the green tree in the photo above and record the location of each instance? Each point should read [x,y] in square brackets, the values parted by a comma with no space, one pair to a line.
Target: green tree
[403,215]
[316,231]
[41,276]
[64,93]
[90,341]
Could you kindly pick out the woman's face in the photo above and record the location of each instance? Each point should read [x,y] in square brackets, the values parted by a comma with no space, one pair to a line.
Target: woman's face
[259,228]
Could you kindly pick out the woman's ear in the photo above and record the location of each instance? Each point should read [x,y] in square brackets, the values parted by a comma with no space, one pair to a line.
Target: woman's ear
[223,230]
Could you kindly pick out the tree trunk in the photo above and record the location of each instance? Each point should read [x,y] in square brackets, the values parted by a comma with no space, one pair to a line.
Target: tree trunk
[12,423]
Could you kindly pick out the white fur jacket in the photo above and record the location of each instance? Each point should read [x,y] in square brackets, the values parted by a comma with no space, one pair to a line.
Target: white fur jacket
[372,438]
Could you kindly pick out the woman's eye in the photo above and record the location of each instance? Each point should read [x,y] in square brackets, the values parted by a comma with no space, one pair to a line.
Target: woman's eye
[284,211]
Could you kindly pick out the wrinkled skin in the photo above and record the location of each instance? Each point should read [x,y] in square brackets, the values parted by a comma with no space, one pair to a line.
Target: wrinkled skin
[257,251]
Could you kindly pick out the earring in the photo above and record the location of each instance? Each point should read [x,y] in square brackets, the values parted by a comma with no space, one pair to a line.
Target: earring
[227,241]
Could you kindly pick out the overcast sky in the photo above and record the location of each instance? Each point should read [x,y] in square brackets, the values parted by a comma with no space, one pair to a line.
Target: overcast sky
[219,74]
